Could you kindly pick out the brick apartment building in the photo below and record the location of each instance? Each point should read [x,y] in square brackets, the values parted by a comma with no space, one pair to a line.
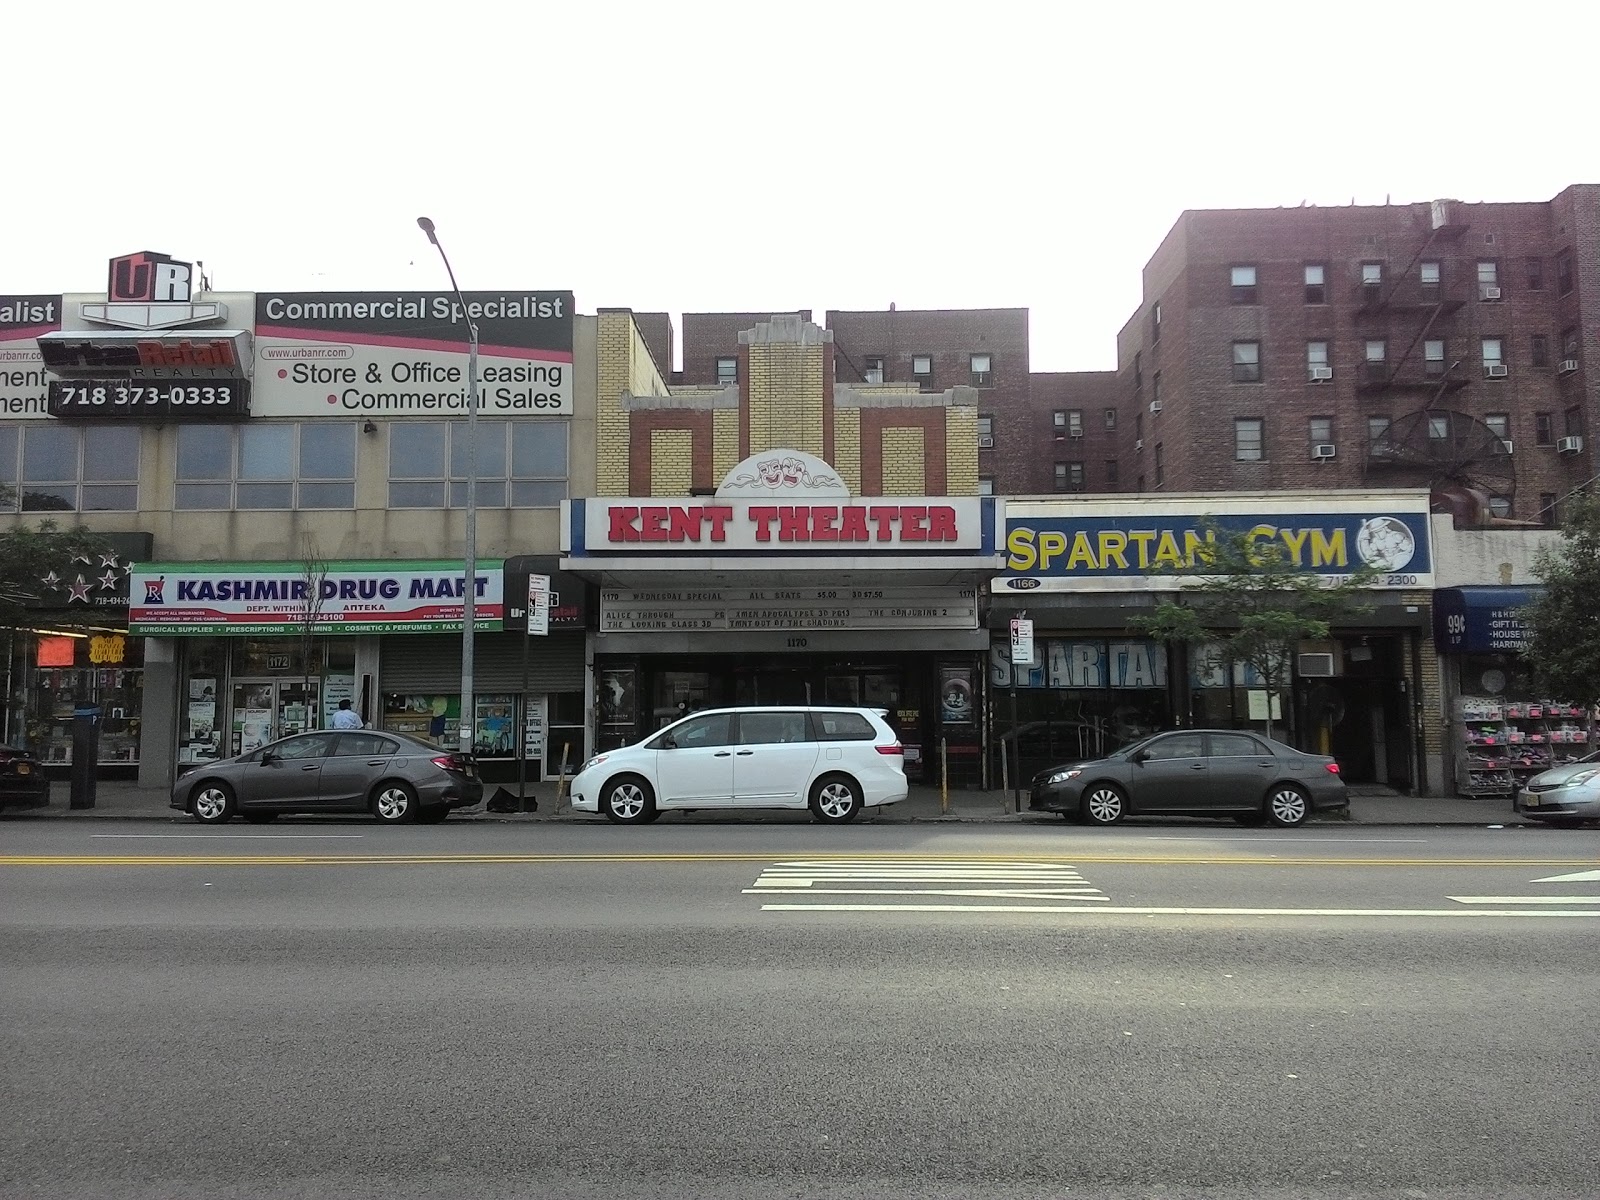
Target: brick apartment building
[1440,345]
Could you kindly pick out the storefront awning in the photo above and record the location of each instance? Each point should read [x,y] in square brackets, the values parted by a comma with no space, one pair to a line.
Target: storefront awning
[1481,620]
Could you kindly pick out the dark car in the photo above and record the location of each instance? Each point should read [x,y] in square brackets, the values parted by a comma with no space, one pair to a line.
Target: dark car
[394,777]
[1194,773]
[22,781]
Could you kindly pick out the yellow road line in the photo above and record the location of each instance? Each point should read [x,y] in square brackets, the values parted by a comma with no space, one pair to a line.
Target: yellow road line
[315,860]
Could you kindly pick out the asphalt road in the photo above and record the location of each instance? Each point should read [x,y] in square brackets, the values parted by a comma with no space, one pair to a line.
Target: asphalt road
[327,1008]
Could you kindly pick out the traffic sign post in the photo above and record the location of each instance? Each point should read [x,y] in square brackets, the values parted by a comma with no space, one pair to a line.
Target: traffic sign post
[538,622]
[1021,656]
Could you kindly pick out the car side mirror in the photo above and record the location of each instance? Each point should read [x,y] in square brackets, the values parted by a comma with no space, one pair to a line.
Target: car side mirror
[1141,756]
[268,758]
[669,743]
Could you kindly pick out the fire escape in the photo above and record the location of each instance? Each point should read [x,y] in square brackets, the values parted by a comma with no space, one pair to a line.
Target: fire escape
[1428,443]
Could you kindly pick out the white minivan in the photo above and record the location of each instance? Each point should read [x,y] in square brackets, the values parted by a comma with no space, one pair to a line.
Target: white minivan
[835,761]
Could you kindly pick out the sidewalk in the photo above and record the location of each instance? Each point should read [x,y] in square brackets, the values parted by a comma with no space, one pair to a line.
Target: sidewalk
[1368,806]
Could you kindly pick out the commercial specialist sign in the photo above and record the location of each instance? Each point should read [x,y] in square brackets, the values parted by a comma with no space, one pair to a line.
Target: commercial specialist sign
[1143,544]
[189,599]
[404,354]
[24,383]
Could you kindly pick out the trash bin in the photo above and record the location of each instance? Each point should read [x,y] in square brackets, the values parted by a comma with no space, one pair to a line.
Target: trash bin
[85,755]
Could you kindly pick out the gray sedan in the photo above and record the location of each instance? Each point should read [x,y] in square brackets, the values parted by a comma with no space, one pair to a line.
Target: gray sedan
[1194,773]
[1565,796]
[395,778]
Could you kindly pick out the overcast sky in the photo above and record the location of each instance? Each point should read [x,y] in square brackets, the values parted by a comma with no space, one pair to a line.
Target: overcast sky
[697,156]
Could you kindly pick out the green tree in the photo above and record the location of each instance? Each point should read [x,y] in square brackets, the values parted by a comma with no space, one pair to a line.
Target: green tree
[1564,621]
[1250,599]
[30,555]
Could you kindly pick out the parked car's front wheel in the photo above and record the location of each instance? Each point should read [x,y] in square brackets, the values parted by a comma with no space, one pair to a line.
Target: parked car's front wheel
[1287,806]
[627,800]
[1104,804]
[213,803]
[835,799]
[394,803]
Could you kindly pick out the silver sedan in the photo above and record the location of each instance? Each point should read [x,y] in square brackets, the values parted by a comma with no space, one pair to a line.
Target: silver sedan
[1566,796]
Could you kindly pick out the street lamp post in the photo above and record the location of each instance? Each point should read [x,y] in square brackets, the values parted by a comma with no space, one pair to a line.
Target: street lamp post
[469,591]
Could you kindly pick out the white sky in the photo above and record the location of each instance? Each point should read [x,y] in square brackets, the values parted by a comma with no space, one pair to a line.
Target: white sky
[695,156]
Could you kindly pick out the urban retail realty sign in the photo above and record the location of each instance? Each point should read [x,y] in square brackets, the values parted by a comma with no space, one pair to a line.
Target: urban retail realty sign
[190,599]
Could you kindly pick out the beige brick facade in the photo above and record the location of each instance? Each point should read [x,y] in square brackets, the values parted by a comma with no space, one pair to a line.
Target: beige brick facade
[847,447]
[724,441]
[785,397]
[624,368]
[904,471]
[671,459]
[961,450]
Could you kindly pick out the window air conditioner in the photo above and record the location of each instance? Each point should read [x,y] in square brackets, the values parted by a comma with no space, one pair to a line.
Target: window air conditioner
[1570,445]
[1155,406]
[986,441]
[1491,293]
[1568,366]
[1314,666]
[1323,450]
[1138,443]
[1318,374]
[1495,370]
[1075,431]
[1506,445]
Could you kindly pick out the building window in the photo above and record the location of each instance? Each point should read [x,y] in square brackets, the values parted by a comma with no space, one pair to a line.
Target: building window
[1155,321]
[522,464]
[1500,425]
[1377,429]
[985,429]
[1488,279]
[1247,362]
[1494,364]
[1111,418]
[94,468]
[1438,428]
[1161,469]
[1075,422]
[1372,274]
[1539,350]
[1247,439]
[1544,429]
[1499,506]
[1059,418]
[1569,343]
[1139,487]
[1242,281]
[1316,283]
[1433,357]
[727,370]
[1574,422]
[1317,368]
[1429,275]
[1564,273]
[922,371]
[1155,388]
[1138,425]
[1111,474]
[982,370]
[1320,431]
[985,485]
[1077,480]
[1377,360]
[872,368]
[1138,369]
[1535,274]
[1061,477]
[1547,509]
[268,466]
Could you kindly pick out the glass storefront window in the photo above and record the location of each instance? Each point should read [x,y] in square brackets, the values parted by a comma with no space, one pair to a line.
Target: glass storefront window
[63,670]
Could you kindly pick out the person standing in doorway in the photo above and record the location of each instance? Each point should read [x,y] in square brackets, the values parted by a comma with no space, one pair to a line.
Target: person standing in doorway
[346,717]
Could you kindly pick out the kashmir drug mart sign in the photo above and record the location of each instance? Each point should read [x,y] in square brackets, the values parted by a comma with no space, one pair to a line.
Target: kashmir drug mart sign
[190,599]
